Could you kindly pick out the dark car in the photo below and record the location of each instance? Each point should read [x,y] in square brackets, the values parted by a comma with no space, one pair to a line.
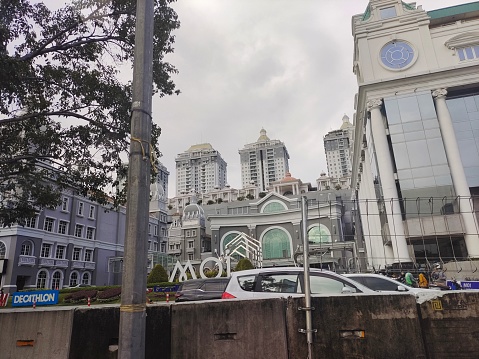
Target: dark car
[201,289]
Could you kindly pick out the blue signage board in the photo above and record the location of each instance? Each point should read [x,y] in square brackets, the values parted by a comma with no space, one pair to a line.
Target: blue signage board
[166,289]
[26,299]
[466,284]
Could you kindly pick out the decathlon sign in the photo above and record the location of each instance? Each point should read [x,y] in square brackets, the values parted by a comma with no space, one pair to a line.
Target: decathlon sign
[44,297]
[188,266]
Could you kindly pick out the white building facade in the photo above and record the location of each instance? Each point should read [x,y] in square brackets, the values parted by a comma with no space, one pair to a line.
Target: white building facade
[416,149]
[337,145]
[201,169]
[263,162]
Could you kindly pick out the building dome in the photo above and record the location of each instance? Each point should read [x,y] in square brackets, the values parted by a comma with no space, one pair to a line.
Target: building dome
[193,211]
[288,178]
[262,136]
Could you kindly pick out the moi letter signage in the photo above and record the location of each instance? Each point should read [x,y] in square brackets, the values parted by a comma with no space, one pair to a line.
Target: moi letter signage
[44,297]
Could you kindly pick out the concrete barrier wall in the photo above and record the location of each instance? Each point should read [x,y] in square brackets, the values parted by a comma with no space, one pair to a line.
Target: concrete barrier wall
[36,334]
[450,325]
[394,327]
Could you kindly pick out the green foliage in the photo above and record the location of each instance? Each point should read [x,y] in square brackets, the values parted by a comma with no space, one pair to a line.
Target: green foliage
[64,106]
[249,196]
[157,274]
[240,198]
[199,202]
[210,202]
[262,194]
[243,264]
[337,187]
[219,200]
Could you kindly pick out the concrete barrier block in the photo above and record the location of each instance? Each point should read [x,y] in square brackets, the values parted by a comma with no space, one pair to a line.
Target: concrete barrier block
[389,323]
[35,333]
[230,329]
[450,325]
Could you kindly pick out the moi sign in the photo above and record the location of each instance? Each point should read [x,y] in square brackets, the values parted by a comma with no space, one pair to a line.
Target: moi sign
[188,267]
[44,297]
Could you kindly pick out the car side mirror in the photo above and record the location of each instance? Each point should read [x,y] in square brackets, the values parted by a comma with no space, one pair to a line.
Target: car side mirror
[347,290]
[401,289]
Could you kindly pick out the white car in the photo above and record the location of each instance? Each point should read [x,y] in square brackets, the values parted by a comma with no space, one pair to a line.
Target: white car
[288,282]
[382,283]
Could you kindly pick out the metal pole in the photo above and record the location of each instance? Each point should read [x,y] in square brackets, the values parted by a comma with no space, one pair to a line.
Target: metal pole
[307,285]
[133,296]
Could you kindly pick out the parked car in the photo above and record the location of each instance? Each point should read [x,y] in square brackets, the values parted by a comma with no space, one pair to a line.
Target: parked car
[382,283]
[288,281]
[201,289]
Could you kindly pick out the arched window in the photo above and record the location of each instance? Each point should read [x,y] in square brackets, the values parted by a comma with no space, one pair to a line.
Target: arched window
[56,280]
[227,239]
[3,250]
[85,279]
[73,279]
[42,277]
[319,234]
[273,207]
[27,248]
[276,244]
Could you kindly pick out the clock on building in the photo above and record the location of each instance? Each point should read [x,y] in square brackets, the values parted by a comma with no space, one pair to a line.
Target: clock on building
[397,55]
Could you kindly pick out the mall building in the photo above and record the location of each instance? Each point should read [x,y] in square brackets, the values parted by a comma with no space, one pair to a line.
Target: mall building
[416,149]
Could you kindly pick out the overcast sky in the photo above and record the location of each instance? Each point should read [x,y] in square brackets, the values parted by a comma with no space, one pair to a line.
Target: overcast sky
[247,64]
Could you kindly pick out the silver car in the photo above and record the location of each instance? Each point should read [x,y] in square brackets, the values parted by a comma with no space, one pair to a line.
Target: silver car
[382,283]
[288,282]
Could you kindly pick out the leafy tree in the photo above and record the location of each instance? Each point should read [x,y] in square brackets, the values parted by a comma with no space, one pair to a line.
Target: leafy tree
[157,275]
[262,194]
[243,264]
[219,200]
[64,106]
[240,198]
[210,202]
[249,196]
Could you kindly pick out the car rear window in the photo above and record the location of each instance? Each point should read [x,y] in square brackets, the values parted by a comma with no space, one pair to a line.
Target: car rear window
[247,283]
[188,285]
[324,284]
[380,284]
[214,286]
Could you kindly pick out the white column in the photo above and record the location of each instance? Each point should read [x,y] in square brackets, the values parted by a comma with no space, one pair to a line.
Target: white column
[379,253]
[457,172]
[388,183]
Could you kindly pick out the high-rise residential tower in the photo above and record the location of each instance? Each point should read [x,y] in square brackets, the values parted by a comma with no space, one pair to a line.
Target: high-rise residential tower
[201,169]
[263,162]
[337,146]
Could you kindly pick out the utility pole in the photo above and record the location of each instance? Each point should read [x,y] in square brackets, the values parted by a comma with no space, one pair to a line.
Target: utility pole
[133,296]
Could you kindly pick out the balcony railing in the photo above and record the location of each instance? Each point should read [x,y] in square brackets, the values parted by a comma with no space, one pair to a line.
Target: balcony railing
[90,265]
[78,264]
[46,262]
[61,263]
[26,260]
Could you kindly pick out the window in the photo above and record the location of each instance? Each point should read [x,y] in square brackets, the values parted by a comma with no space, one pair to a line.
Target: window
[45,252]
[73,279]
[31,222]
[56,280]
[60,252]
[42,279]
[85,279]
[26,249]
[188,234]
[78,230]
[76,254]
[178,246]
[90,233]
[280,283]
[319,234]
[190,256]
[155,228]
[247,283]
[91,213]
[62,227]
[468,53]
[191,244]
[3,250]
[48,224]
[88,255]
[193,233]
[276,244]
[273,207]
[323,284]
[81,206]
[387,12]
[65,201]
[149,228]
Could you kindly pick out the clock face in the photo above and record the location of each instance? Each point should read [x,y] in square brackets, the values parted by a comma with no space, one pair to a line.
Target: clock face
[397,55]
